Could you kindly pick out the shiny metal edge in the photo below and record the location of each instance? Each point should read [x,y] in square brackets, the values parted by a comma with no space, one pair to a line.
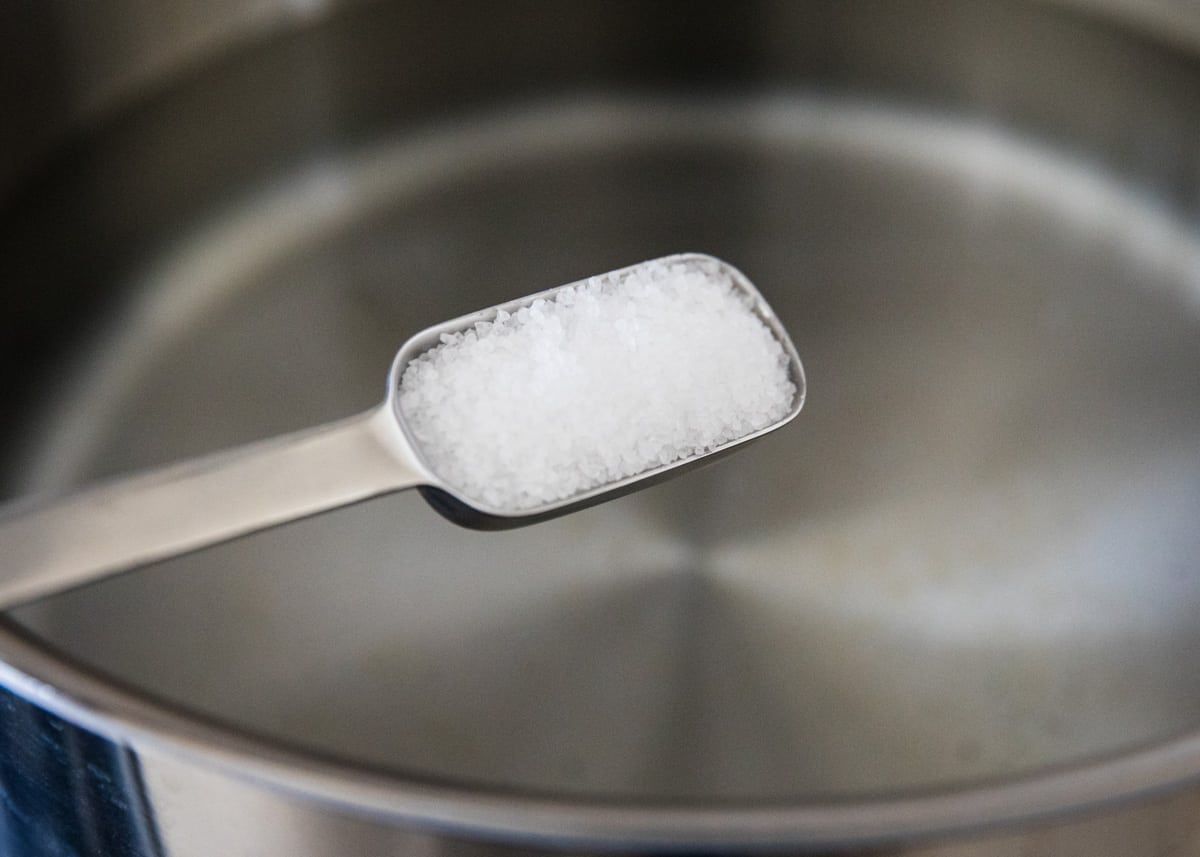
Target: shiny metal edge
[144,726]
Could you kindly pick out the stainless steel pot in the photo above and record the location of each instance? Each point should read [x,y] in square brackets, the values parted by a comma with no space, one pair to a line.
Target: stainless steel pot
[952,611]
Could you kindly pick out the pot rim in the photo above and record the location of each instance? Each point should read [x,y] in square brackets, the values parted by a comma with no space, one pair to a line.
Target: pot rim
[101,704]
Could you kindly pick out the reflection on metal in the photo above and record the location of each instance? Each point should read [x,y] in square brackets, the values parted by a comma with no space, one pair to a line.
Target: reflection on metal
[67,791]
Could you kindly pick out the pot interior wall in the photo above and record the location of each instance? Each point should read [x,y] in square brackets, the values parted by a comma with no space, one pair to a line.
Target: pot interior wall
[974,554]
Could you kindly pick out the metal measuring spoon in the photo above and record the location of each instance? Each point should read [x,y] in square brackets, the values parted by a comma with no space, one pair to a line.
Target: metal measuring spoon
[170,511]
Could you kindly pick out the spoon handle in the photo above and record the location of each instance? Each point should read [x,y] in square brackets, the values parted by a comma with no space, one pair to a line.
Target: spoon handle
[182,507]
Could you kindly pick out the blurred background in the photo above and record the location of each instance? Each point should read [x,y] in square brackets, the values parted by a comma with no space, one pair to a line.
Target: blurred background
[972,558]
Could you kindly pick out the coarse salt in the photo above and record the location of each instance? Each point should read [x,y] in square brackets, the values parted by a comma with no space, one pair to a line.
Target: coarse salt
[607,379]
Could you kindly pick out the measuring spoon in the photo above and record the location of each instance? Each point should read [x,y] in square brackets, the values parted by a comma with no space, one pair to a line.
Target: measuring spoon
[131,521]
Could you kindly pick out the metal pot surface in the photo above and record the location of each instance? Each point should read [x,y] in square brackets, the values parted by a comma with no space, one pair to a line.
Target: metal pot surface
[952,610]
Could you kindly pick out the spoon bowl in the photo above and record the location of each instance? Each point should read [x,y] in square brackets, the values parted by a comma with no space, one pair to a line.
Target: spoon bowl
[476,513]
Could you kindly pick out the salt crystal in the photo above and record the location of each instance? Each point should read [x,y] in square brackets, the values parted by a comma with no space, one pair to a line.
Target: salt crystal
[621,374]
